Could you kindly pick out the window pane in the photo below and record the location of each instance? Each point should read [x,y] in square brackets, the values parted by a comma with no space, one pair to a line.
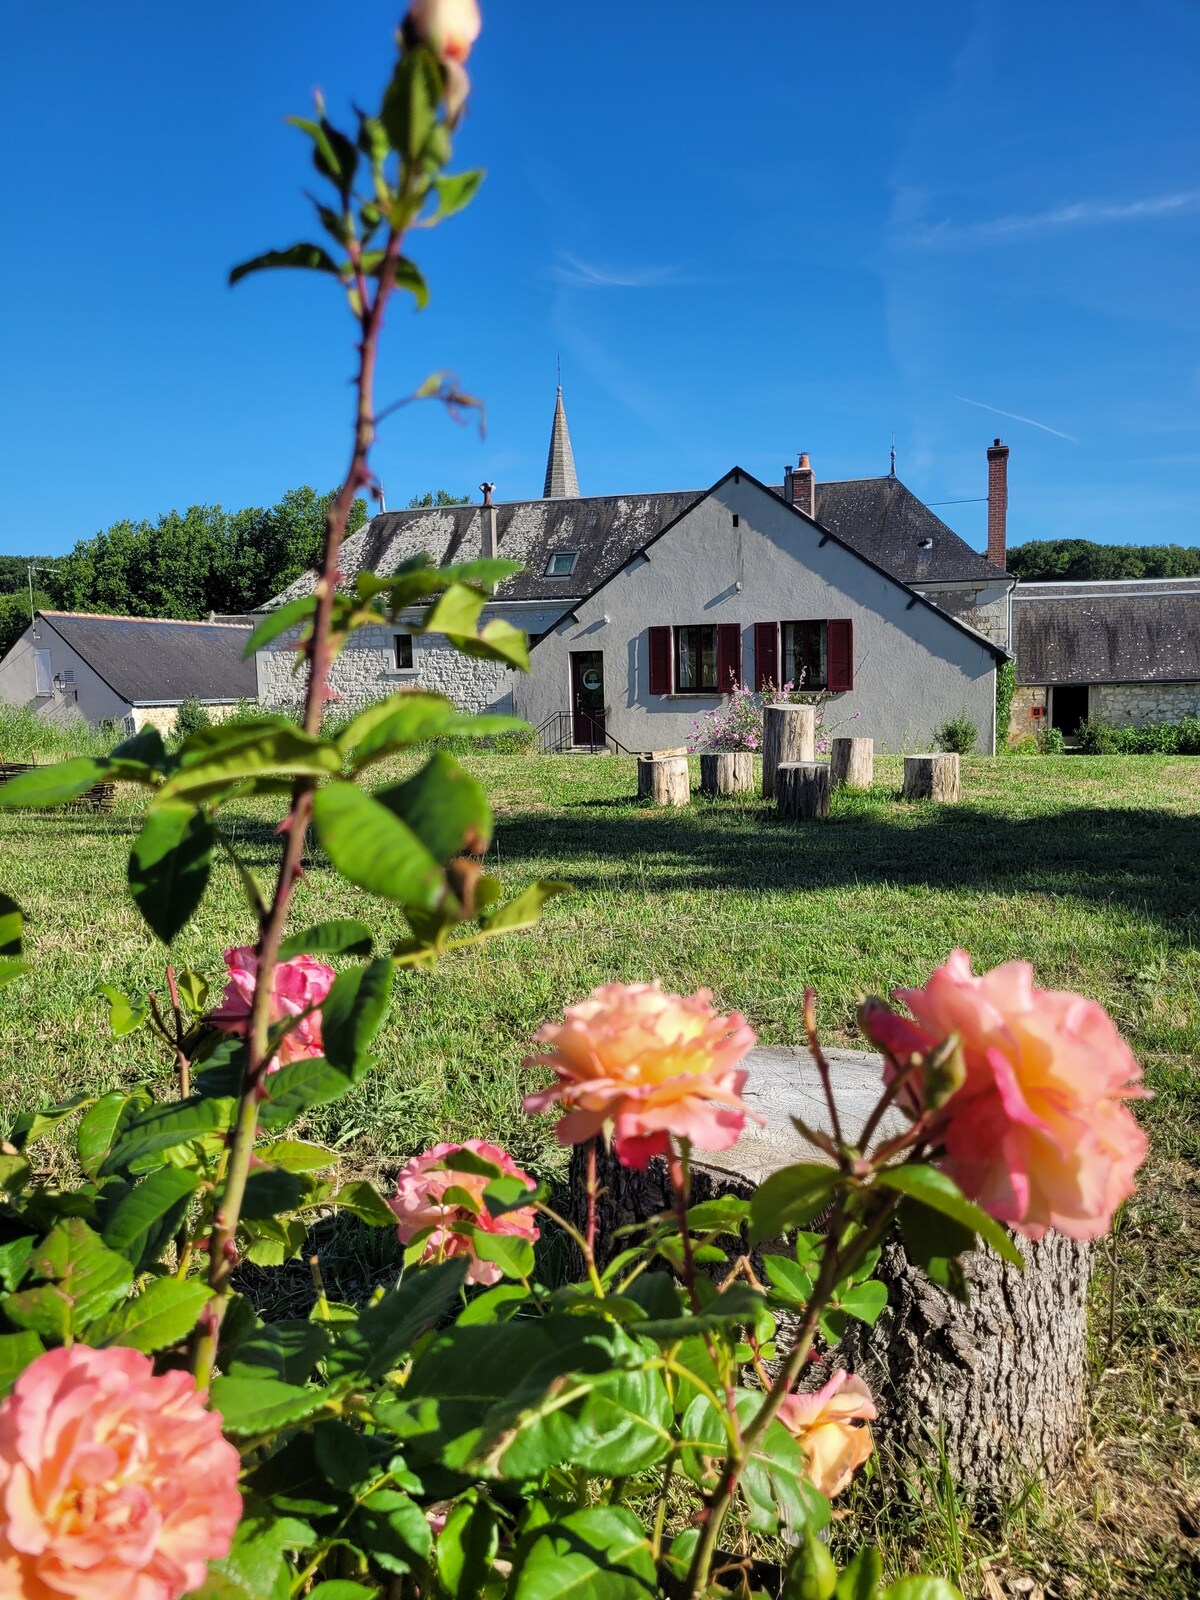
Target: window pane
[404,655]
[695,659]
[806,654]
[41,669]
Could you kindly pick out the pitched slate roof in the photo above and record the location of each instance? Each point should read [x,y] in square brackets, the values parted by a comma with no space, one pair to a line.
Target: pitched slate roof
[1144,631]
[561,481]
[877,517]
[149,661]
[886,522]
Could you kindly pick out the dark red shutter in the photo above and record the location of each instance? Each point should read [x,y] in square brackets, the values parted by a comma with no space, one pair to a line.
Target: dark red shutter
[766,654]
[841,654]
[729,656]
[660,660]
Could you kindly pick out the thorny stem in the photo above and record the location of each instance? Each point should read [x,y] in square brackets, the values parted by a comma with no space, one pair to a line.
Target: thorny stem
[319,653]
[591,1199]
[835,1265]
[818,1055]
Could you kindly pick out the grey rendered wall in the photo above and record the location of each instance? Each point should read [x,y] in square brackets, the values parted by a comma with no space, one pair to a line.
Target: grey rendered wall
[365,670]
[91,699]
[912,668]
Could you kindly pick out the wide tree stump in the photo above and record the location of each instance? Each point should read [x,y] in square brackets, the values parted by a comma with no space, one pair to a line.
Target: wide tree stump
[802,790]
[997,1386]
[789,734]
[727,772]
[665,780]
[932,777]
[852,763]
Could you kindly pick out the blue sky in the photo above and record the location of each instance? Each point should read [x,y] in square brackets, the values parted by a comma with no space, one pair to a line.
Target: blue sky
[748,231]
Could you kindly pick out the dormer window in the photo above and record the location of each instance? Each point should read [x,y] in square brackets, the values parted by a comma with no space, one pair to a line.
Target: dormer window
[562,563]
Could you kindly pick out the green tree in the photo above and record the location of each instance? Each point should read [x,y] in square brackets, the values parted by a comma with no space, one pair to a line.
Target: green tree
[1043,560]
[437,497]
[14,615]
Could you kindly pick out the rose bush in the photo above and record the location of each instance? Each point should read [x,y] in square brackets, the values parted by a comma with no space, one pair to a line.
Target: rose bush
[484,1425]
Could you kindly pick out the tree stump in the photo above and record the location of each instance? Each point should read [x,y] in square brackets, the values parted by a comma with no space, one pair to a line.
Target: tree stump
[996,1386]
[852,763]
[727,772]
[802,790]
[932,777]
[789,734]
[665,780]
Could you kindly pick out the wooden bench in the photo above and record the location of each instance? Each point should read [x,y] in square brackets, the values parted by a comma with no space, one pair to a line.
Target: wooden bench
[100,797]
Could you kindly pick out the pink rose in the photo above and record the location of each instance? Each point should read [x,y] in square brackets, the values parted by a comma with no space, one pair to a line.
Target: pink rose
[115,1484]
[646,1065]
[419,1203]
[301,985]
[448,27]
[1039,1133]
[824,1424]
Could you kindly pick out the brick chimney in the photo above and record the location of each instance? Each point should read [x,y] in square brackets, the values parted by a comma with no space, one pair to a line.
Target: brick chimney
[800,486]
[997,458]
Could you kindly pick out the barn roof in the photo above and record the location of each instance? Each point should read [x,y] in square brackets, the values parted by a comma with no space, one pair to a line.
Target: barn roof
[154,661]
[877,517]
[1143,631]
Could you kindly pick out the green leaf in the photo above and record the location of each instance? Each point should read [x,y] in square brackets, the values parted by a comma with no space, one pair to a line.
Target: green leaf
[279,621]
[512,1254]
[165,1312]
[600,1553]
[789,1280]
[394,723]
[86,1279]
[790,1198]
[455,191]
[124,1015]
[343,1589]
[295,1155]
[739,1303]
[17,1350]
[31,1126]
[410,104]
[381,1338]
[407,275]
[10,927]
[163,1127]
[775,1478]
[526,909]
[53,786]
[289,1349]
[311,256]
[274,1240]
[865,1301]
[940,1193]
[257,1404]
[861,1579]
[192,990]
[299,1085]
[393,1527]
[364,1201]
[505,1194]
[353,1012]
[270,1190]
[341,936]
[213,758]
[921,1588]
[11,970]
[15,1174]
[14,1259]
[374,848]
[102,1125]
[144,747]
[467,1546]
[169,866]
[444,806]
[456,614]
[149,1215]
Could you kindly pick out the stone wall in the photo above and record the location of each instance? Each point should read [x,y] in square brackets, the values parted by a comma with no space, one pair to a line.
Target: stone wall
[985,609]
[163,717]
[1025,699]
[1138,704]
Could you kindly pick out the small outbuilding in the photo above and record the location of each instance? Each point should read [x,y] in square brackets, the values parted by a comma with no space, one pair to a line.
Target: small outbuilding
[129,671]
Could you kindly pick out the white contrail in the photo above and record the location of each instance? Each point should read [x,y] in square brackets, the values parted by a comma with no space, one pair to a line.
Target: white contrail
[1017,417]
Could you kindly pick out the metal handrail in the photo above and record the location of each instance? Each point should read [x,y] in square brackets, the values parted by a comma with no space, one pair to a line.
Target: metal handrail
[563,736]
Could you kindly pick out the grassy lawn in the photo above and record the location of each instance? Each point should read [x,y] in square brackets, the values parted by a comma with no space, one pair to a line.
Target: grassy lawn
[1089,867]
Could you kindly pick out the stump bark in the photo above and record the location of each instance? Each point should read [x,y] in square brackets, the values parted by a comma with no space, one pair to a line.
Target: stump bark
[665,780]
[934,777]
[802,790]
[852,763]
[789,734]
[727,772]
[995,1387]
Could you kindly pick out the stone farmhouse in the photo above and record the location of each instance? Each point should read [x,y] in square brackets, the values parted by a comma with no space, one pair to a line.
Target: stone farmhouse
[645,609]
[1122,652]
[128,671]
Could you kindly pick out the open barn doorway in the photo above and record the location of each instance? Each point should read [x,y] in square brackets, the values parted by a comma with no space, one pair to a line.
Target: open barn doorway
[1068,707]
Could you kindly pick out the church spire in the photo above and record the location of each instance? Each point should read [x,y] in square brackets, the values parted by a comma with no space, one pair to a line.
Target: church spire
[561,482]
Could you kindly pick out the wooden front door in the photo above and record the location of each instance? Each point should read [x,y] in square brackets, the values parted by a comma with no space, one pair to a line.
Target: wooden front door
[587,697]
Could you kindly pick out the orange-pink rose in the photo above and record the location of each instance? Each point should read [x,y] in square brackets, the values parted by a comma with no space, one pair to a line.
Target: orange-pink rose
[300,988]
[825,1425]
[645,1065]
[1039,1134]
[115,1484]
[451,1227]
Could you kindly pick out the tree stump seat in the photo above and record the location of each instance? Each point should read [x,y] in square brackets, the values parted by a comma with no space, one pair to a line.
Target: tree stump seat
[664,779]
[996,1386]
[802,790]
[727,772]
[932,777]
[851,763]
[789,734]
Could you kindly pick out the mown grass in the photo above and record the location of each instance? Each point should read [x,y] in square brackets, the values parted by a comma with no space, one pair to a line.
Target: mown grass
[1088,867]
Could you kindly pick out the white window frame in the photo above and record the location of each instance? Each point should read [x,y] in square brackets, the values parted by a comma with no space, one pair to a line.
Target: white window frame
[397,666]
[43,675]
[558,555]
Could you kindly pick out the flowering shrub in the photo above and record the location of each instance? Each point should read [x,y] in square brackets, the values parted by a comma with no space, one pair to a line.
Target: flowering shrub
[737,723]
[472,1430]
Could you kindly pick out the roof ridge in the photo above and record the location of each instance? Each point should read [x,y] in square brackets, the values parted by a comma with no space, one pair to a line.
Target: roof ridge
[115,616]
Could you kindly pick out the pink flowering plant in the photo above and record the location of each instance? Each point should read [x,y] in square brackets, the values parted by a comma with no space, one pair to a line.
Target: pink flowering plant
[737,723]
[535,1403]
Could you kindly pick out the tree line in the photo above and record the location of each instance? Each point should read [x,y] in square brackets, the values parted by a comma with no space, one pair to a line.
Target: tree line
[1043,560]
